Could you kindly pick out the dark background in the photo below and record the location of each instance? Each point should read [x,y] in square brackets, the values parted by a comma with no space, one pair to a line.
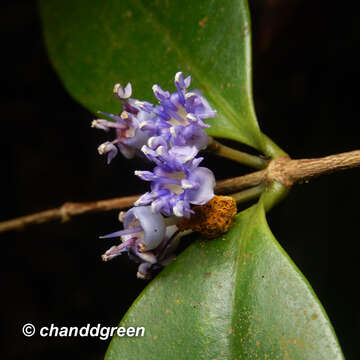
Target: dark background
[306,96]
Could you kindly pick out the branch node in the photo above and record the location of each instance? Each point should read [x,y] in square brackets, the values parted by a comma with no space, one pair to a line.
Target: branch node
[276,170]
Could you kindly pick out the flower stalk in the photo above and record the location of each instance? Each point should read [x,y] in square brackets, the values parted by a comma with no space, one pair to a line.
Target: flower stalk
[241,157]
[248,194]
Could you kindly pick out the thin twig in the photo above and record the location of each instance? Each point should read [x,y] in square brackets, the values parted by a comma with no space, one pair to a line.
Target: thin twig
[284,170]
[238,183]
[68,210]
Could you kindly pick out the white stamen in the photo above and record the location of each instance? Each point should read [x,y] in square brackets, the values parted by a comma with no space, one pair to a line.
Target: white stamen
[172,131]
[117,87]
[186,185]
[144,149]
[153,208]
[175,188]
[191,156]
[191,117]
[102,148]
[177,212]
[151,141]
[121,92]
[105,257]
[178,76]
[189,95]
[140,104]
[161,150]
[124,115]
[155,88]
[121,216]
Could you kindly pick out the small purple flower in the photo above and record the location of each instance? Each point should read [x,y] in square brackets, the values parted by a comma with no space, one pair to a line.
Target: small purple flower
[142,229]
[172,157]
[122,93]
[146,239]
[164,253]
[179,116]
[129,137]
[176,185]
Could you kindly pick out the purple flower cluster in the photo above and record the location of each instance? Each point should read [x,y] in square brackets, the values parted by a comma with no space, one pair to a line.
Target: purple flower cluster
[179,117]
[148,238]
[177,135]
[170,134]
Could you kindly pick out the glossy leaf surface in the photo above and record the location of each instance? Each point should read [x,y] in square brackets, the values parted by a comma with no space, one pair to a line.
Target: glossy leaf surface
[236,297]
[94,44]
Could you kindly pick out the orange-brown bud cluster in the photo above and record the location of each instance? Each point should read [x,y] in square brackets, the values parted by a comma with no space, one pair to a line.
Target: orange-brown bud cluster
[212,219]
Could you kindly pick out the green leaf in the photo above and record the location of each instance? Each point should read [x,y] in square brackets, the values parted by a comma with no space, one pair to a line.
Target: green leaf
[236,297]
[94,44]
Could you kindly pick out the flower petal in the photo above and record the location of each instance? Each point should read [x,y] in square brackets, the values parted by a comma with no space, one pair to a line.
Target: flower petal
[205,190]
[153,225]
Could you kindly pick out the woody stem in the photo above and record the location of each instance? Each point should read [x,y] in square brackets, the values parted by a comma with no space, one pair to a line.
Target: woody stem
[282,170]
